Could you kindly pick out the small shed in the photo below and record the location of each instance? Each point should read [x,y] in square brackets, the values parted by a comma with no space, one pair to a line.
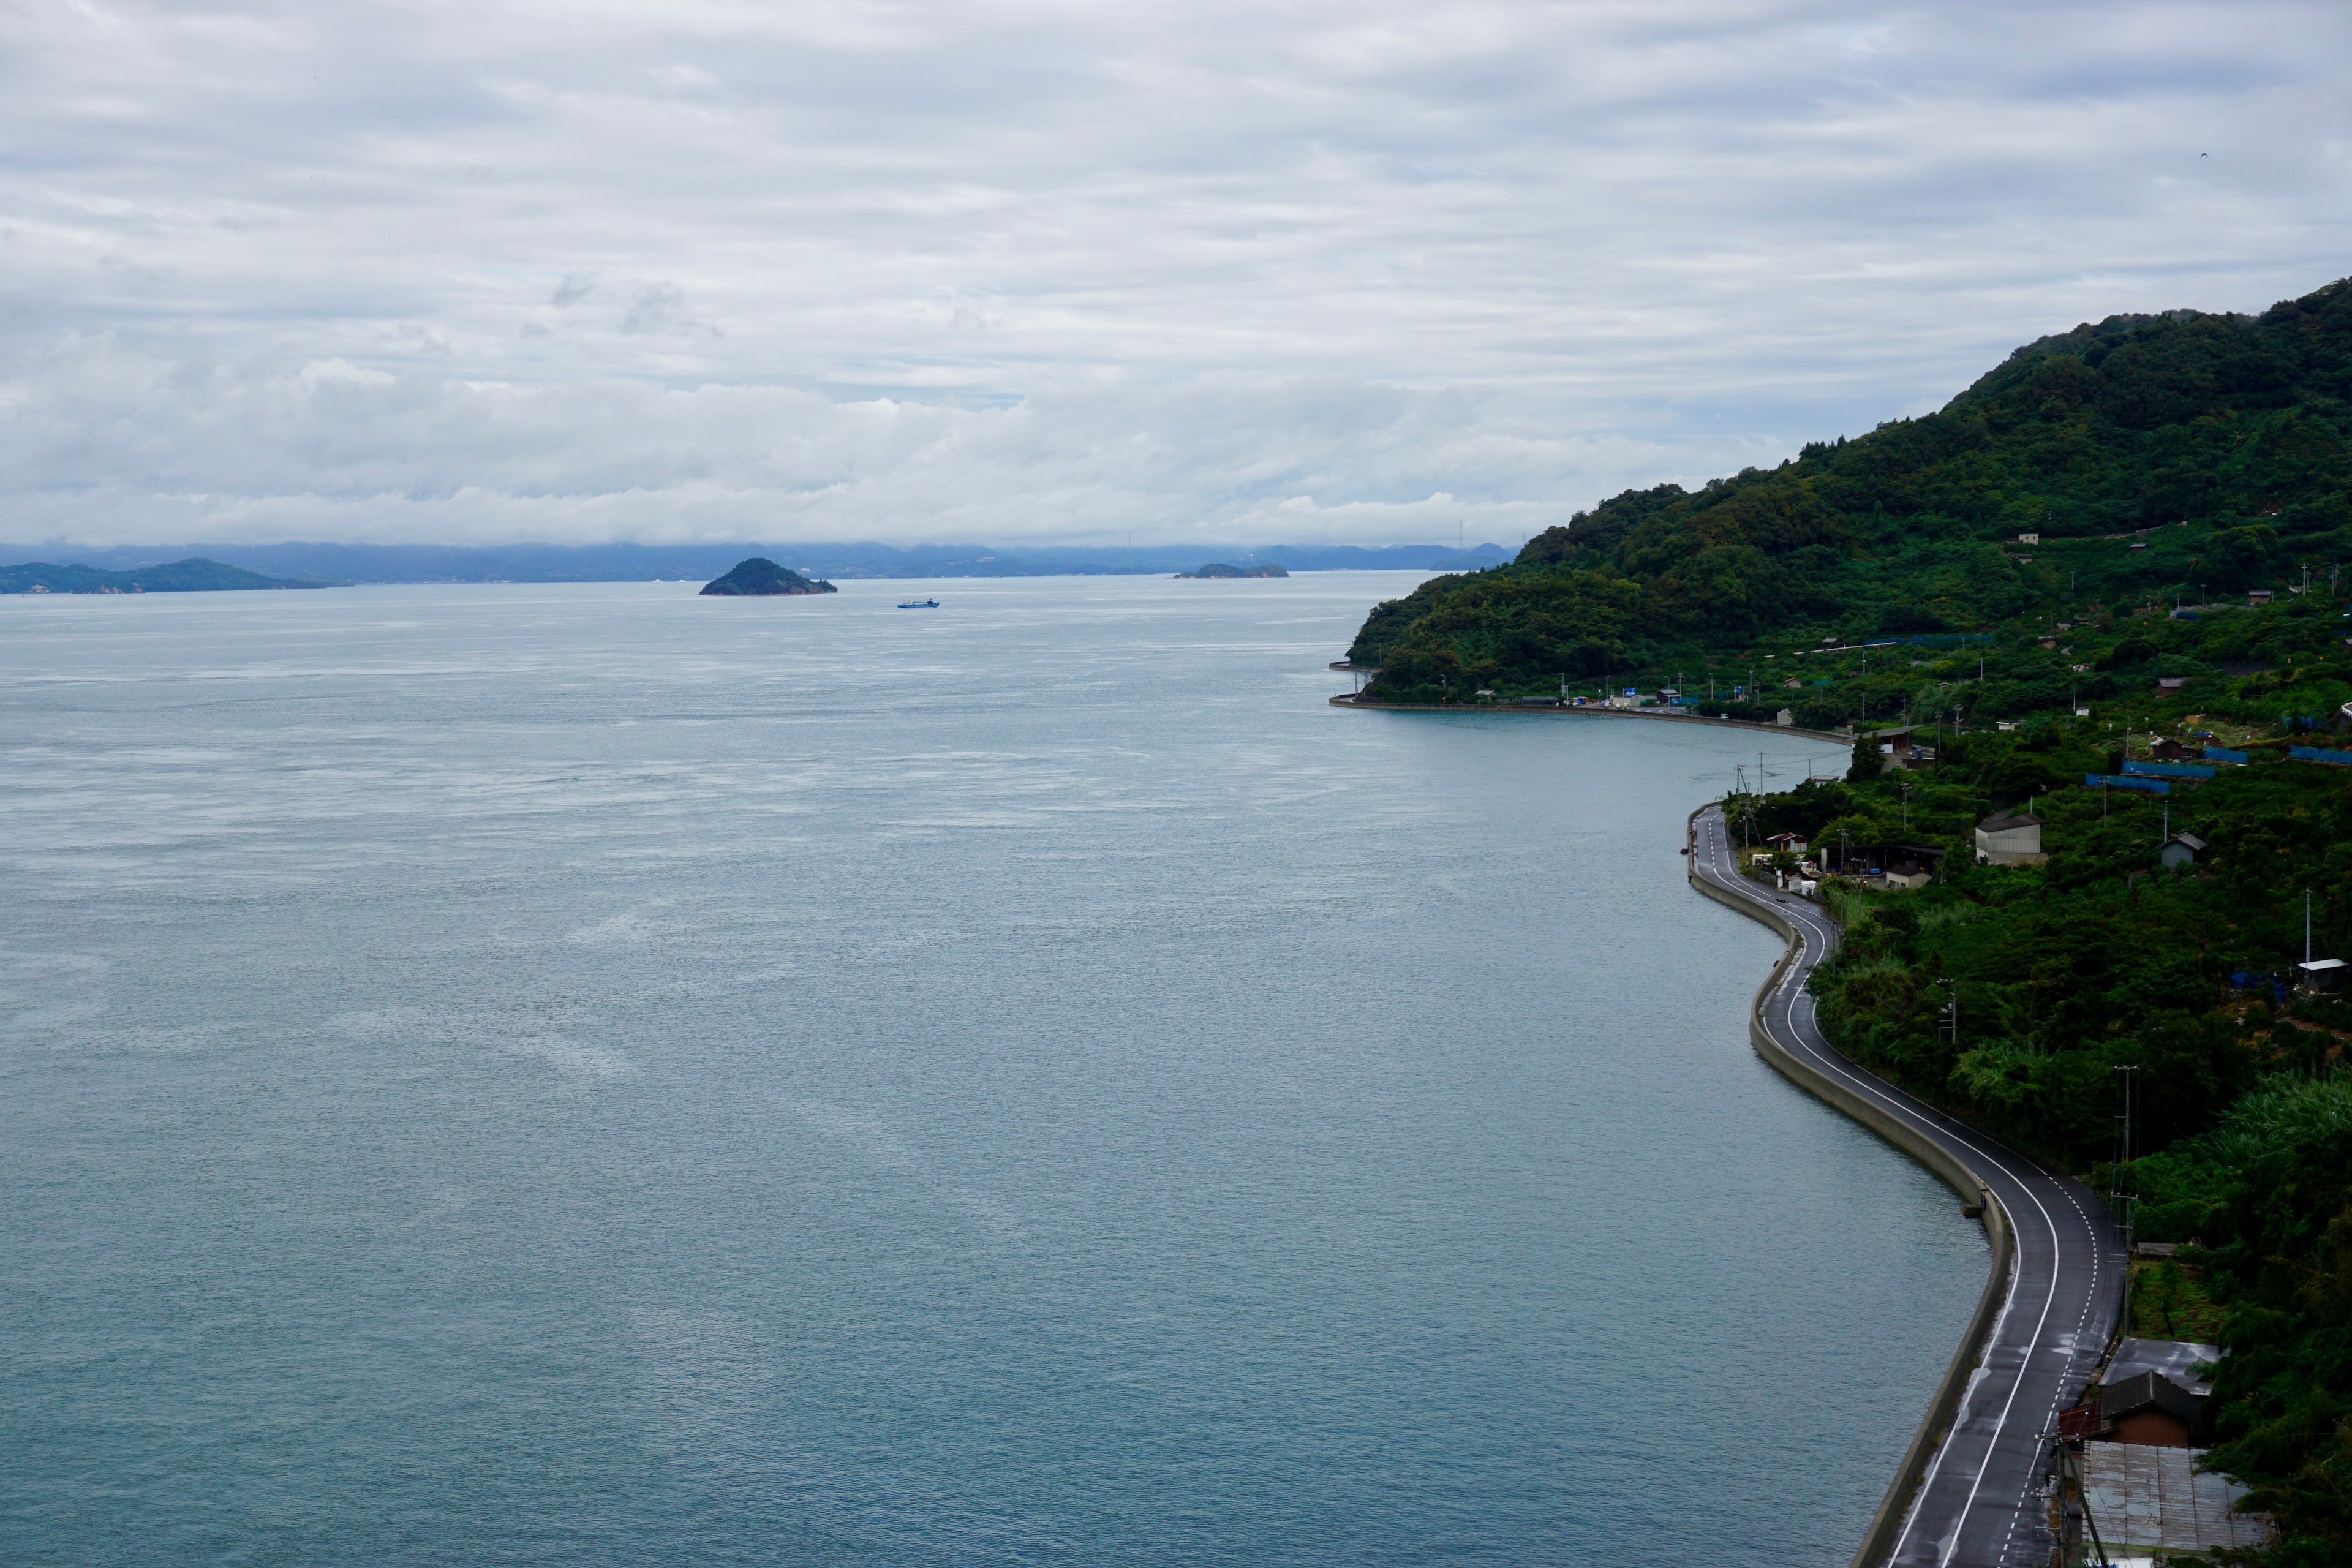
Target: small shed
[2180,849]
[2011,839]
[2320,974]
[2259,596]
[1786,720]
[1908,874]
[1787,843]
[2171,751]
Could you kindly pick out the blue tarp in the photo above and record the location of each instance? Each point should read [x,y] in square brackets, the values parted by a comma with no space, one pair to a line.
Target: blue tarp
[2169,770]
[2223,755]
[2320,755]
[2150,786]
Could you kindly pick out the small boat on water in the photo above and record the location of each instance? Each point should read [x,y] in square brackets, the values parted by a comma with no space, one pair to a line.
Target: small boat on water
[918,604]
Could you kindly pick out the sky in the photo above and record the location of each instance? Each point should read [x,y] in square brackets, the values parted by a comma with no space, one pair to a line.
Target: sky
[1276,272]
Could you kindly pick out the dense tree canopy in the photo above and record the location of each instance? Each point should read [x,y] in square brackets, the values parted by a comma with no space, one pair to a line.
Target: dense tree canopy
[2185,454]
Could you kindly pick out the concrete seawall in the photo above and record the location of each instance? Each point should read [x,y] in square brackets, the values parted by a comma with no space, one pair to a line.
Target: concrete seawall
[1878,1539]
[1346,701]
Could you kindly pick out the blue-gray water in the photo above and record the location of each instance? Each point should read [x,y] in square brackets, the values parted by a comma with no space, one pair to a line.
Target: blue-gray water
[596,1075]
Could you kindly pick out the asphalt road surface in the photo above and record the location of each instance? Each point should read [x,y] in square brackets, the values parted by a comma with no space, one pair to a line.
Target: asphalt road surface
[1981,1502]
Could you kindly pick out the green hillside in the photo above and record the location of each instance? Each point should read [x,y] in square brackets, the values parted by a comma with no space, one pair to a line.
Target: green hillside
[2183,457]
[2104,958]
[194,576]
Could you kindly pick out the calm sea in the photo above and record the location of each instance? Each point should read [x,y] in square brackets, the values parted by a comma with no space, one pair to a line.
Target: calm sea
[596,1075]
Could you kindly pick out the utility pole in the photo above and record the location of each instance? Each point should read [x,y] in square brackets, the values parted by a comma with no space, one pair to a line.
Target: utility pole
[2123,1185]
[1949,1014]
[2306,925]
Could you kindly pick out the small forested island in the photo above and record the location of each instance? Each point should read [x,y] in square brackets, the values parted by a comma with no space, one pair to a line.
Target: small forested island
[762,575]
[194,576]
[1219,569]
[2094,603]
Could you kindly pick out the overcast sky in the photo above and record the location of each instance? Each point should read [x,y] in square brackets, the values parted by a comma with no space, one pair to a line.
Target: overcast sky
[1263,272]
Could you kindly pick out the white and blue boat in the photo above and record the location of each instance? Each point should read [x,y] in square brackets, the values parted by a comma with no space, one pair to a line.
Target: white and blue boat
[918,604]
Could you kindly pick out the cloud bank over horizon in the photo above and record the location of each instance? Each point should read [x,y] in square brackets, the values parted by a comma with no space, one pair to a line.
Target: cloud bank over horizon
[1032,272]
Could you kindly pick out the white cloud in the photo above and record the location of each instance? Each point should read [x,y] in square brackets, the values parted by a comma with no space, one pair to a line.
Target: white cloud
[1039,270]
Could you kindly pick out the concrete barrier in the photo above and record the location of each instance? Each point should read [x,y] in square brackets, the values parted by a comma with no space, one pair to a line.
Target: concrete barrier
[1956,1172]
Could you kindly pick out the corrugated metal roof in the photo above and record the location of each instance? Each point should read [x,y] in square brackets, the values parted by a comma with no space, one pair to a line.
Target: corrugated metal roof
[2153,1499]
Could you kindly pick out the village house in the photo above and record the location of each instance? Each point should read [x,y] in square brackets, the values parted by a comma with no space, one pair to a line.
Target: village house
[2150,1408]
[1901,748]
[2012,838]
[1897,866]
[2153,1394]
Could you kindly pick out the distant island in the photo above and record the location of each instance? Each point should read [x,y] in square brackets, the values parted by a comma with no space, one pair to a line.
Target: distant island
[762,575]
[191,576]
[1219,569]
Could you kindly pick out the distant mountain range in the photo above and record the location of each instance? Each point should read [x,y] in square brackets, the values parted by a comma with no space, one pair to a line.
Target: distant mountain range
[699,562]
[190,576]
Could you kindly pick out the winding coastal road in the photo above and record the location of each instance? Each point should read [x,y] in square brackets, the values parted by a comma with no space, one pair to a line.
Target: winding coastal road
[1974,1499]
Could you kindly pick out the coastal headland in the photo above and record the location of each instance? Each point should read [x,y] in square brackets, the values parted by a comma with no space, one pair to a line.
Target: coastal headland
[2095,599]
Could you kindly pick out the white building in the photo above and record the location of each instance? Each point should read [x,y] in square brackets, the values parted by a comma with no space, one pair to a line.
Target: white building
[2014,838]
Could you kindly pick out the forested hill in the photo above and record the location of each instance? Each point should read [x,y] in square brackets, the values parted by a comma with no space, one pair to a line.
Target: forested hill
[2217,444]
[191,576]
